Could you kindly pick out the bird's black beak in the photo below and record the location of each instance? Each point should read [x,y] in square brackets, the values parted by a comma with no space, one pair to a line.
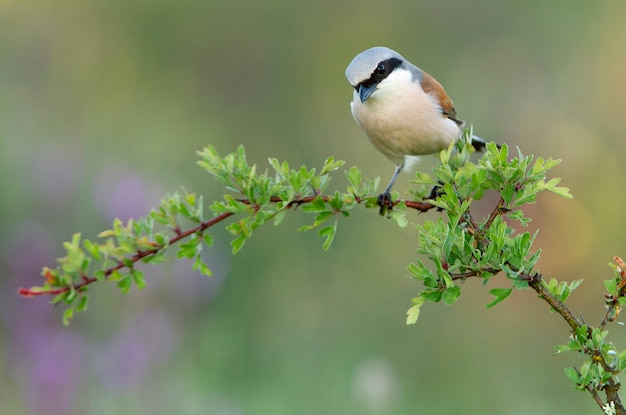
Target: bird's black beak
[366,91]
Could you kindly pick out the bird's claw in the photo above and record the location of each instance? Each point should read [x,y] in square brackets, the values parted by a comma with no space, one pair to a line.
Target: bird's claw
[385,203]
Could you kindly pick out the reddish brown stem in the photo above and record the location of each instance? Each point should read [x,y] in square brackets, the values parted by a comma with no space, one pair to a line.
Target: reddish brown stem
[470,274]
[497,211]
[180,234]
[27,292]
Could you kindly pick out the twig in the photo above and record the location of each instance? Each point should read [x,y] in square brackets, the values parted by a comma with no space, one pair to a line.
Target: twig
[536,283]
[494,214]
[27,292]
[612,387]
[470,274]
[180,234]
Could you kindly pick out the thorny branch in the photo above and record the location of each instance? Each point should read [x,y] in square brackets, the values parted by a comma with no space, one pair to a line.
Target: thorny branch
[86,280]
[613,306]
[536,282]
[180,235]
[612,387]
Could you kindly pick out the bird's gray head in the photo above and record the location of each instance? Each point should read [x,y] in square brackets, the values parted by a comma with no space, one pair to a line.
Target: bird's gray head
[370,67]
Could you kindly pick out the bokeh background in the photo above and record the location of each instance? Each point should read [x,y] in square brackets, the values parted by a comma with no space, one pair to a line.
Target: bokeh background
[102,107]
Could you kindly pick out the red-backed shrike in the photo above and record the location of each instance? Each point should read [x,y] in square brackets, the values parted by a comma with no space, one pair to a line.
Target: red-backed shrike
[403,110]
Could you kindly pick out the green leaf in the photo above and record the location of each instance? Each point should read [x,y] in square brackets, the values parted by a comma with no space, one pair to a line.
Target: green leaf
[562,191]
[58,298]
[573,375]
[116,275]
[414,312]
[331,164]
[567,289]
[238,243]
[329,233]
[611,286]
[518,215]
[189,249]
[71,296]
[125,284]
[316,205]
[200,266]
[500,294]
[621,359]
[570,347]
[597,336]
[420,272]
[208,238]
[68,314]
[519,283]
[399,217]
[415,270]
[431,295]
[424,179]
[279,216]
[100,274]
[76,260]
[138,278]
[82,304]
[93,249]
[451,294]
[354,177]
[283,169]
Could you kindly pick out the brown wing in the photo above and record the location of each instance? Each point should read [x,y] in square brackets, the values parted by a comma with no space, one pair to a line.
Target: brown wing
[434,88]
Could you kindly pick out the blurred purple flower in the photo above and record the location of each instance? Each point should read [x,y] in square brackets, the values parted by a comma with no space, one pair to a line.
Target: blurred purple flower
[56,172]
[46,359]
[194,289]
[51,362]
[146,342]
[122,193]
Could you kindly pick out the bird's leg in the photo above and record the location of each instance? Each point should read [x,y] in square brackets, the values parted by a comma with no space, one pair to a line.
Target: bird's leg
[384,199]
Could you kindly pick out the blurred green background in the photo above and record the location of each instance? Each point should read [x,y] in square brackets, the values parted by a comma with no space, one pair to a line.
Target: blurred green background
[102,106]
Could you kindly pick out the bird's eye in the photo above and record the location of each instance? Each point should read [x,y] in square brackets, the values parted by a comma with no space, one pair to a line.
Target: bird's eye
[380,69]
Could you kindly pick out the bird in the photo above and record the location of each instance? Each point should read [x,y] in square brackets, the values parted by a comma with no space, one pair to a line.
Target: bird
[402,109]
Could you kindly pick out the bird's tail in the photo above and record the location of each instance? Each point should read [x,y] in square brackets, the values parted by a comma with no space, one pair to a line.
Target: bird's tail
[480,143]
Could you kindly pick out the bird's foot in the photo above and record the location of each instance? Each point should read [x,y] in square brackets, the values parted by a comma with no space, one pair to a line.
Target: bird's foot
[385,203]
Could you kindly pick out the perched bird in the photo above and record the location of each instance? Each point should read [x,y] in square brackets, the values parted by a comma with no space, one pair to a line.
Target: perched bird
[403,110]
